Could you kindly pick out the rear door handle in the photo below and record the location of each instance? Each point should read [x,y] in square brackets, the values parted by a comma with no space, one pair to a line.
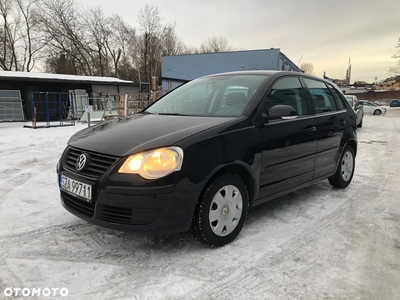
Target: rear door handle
[311,129]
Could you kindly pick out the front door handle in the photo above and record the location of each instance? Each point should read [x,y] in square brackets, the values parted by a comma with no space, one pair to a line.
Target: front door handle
[342,122]
[311,129]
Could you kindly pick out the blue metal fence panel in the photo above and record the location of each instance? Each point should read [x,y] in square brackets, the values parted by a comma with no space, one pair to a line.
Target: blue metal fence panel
[52,109]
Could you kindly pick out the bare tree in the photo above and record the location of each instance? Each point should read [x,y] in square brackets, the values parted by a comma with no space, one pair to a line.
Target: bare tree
[62,25]
[215,44]
[396,70]
[71,39]
[171,43]
[190,50]
[122,39]
[148,50]
[81,40]
[20,42]
[308,68]
[86,41]
[155,40]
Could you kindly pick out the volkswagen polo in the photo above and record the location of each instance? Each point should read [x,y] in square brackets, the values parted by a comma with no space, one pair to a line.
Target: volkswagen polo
[199,157]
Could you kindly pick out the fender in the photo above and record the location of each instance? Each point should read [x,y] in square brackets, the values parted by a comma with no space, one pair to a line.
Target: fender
[342,149]
[252,177]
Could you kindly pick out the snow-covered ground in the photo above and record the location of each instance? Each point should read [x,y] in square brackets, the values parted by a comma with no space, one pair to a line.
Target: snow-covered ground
[316,243]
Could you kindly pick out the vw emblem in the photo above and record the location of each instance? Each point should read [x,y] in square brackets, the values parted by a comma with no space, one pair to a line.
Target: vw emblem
[80,162]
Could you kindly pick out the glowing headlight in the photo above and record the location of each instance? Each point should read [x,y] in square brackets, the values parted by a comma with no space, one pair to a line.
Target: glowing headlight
[155,163]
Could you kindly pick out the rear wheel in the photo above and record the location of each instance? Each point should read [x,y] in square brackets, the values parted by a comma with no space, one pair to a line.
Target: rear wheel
[221,211]
[377,112]
[345,171]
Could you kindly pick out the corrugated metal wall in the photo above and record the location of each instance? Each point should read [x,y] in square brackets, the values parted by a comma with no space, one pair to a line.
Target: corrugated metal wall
[188,67]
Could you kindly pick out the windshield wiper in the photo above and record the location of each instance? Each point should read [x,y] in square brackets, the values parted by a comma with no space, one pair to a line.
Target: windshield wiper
[145,112]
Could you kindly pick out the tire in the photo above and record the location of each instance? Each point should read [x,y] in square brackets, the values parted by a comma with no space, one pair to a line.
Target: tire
[220,215]
[361,123]
[345,170]
[377,112]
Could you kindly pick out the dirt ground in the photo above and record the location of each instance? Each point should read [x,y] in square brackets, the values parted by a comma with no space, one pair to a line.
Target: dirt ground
[316,243]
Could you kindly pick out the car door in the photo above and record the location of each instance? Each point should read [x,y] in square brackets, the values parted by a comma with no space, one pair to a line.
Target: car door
[289,143]
[330,123]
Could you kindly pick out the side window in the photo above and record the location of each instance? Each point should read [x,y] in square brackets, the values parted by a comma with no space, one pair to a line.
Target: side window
[321,96]
[336,96]
[287,91]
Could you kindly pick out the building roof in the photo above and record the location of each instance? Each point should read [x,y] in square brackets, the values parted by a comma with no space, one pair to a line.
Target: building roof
[224,52]
[48,77]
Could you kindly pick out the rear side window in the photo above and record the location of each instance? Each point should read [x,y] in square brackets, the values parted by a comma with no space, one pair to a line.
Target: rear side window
[321,96]
[287,91]
[336,96]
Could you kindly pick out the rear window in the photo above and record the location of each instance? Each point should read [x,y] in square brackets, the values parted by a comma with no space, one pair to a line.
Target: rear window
[336,96]
[321,96]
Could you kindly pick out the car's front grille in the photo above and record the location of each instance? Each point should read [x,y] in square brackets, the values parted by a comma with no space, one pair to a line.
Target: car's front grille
[97,164]
[131,216]
[80,206]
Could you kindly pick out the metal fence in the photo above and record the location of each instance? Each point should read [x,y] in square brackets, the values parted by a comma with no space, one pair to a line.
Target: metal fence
[51,109]
[61,109]
[11,106]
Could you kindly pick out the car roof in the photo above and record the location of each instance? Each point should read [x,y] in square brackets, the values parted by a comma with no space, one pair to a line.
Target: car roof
[252,72]
[273,73]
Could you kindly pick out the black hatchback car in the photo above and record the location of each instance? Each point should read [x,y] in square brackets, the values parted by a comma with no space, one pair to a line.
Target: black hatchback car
[200,156]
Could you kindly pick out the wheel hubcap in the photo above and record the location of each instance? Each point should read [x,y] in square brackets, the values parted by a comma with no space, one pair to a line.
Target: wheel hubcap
[347,166]
[225,210]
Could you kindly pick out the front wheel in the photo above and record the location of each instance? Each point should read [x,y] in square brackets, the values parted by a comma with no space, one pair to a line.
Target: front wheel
[345,171]
[377,112]
[221,211]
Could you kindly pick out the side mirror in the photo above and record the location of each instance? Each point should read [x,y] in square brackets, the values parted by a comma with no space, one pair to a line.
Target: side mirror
[284,112]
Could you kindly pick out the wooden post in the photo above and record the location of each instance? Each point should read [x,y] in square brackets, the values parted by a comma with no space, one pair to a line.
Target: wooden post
[34,118]
[126,105]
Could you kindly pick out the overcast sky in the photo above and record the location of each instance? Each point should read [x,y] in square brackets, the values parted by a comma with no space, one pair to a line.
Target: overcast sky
[324,33]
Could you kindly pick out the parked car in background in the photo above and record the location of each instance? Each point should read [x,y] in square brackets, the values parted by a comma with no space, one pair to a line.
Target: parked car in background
[357,107]
[394,103]
[201,155]
[372,108]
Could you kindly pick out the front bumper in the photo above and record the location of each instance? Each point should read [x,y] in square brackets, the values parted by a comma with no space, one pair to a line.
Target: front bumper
[127,203]
[155,210]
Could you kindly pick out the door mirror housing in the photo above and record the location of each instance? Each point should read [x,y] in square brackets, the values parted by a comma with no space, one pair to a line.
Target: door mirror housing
[281,112]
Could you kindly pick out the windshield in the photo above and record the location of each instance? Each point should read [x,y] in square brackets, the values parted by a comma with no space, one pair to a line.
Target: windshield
[225,95]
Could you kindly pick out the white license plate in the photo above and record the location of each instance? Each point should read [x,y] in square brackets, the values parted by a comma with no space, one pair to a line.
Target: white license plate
[76,188]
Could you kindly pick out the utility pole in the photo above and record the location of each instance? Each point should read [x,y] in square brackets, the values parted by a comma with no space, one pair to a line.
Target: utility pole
[300,60]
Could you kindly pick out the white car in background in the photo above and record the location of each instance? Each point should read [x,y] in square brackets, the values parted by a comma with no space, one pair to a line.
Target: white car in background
[372,108]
